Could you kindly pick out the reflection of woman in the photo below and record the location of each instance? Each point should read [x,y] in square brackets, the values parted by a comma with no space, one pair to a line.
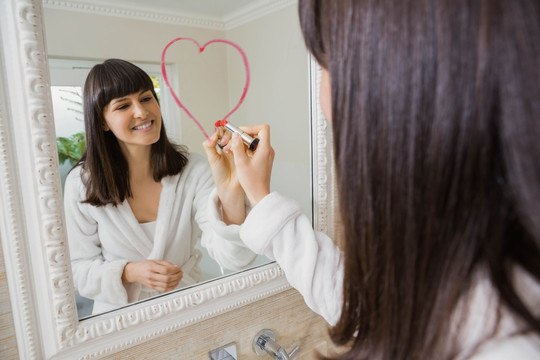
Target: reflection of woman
[134,200]
[435,108]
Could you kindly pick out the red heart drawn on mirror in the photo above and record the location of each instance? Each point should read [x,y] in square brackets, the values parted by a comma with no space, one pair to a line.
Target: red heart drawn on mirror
[201,49]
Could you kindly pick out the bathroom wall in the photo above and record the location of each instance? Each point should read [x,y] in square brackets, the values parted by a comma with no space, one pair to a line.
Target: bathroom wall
[275,55]
[78,35]
[280,46]
[286,314]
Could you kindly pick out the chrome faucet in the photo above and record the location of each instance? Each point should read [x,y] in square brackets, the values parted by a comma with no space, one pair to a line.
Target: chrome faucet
[265,343]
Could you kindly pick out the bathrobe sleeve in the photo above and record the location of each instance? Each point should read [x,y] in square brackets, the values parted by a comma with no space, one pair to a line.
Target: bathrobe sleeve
[94,277]
[277,228]
[222,241]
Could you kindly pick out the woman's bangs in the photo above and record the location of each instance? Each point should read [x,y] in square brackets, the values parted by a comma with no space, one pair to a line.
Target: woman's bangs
[121,81]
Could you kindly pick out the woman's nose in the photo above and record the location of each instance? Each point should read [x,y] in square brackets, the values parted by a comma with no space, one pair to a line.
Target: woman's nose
[139,110]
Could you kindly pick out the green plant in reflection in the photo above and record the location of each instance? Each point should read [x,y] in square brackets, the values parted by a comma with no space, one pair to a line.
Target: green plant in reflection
[155,81]
[70,148]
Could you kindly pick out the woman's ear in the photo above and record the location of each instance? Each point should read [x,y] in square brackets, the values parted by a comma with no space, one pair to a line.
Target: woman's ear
[105,126]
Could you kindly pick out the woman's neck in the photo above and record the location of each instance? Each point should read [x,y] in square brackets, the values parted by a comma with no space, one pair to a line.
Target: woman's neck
[138,159]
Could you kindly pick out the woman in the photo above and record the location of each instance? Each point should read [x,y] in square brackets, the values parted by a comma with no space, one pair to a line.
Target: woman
[135,202]
[435,109]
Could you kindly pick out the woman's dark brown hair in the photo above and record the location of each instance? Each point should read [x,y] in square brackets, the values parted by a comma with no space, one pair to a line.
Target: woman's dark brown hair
[106,172]
[436,125]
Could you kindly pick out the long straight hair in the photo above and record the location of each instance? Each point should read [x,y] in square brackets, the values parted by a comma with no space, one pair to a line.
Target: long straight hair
[106,171]
[436,125]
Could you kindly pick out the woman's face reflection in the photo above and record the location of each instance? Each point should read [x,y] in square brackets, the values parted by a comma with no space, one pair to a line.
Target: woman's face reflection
[135,119]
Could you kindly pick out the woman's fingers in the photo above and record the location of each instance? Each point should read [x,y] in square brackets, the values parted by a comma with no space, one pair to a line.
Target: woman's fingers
[254,168]
[159,275]
[162,282]
[156,278]
[209,146]
[237,147]
[259,131]
[224,137]
[236,165]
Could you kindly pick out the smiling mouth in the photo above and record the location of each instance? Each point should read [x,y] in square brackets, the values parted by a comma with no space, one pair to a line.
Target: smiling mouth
[144,126]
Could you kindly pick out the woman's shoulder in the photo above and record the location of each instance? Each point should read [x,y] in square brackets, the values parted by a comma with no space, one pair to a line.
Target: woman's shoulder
[491,329]
[519,346]
[197,160]
[196,168]
[196,164]
[74,184]
[74,176]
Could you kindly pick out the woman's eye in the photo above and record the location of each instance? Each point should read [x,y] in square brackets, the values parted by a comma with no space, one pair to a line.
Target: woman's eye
[146,98]
[122,107]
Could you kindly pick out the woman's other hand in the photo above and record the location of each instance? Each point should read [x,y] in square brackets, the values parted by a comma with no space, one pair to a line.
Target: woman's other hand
[253,168]
[231,194]
[159,275]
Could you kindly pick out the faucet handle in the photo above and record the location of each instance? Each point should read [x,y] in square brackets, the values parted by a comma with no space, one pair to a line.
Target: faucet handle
[293,352]
[265,343]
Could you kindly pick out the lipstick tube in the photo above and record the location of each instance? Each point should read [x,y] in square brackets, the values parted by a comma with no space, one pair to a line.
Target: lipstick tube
[250,142]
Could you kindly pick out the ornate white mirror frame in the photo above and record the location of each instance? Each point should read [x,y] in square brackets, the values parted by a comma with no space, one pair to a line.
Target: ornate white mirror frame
[32,220]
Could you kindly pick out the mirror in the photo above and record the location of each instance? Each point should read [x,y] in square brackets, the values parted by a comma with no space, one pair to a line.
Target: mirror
[209,83]
[32,226]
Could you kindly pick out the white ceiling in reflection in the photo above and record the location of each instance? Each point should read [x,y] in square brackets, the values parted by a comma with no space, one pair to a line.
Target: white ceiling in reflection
[210,8]
[216,14]
[217,8]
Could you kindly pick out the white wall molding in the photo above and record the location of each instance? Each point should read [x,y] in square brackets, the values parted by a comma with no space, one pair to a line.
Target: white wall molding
[106,9]
[239,17]
[255,11]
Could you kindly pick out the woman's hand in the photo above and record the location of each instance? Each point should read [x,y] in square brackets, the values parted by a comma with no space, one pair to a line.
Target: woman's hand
[230,192]
[253,169]
[221,162]
[159,275]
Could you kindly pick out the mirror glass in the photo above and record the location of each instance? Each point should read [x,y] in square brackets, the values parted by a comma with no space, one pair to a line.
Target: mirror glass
[79,34]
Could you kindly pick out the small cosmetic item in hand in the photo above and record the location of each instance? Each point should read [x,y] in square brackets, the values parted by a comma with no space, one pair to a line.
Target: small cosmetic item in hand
[250,142]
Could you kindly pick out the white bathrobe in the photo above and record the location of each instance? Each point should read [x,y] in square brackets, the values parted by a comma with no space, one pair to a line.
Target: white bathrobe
[277,228]
[103,239]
